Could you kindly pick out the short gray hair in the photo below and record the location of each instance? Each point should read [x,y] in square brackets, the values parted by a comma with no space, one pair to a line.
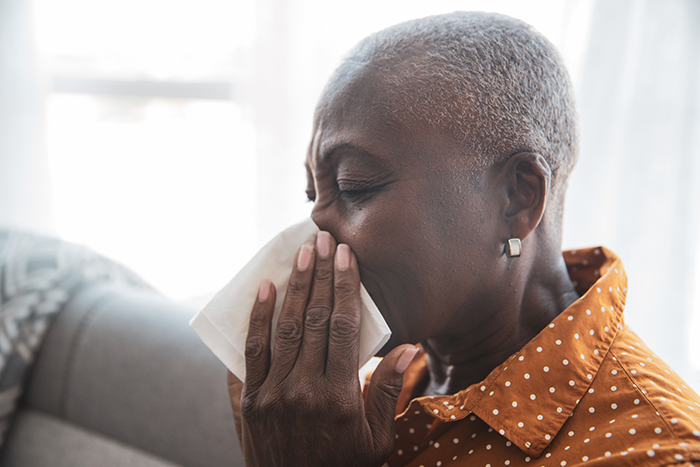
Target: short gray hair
[492,81]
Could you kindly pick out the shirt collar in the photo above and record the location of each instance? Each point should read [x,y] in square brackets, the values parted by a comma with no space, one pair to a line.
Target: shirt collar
[550,374]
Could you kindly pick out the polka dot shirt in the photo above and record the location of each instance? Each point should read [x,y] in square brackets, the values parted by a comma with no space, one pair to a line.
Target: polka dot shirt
[585,390]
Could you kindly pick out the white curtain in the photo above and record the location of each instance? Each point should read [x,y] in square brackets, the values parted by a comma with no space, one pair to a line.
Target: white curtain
[24,181]
[636,188]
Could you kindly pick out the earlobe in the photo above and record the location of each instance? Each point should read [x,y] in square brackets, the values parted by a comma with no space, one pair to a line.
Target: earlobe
[528,177]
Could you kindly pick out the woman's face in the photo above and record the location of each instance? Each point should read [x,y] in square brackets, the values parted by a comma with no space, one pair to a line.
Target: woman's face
[421,221]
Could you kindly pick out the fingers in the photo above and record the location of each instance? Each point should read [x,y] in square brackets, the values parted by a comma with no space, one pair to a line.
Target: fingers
[257,345]
[315,344]
[235,389]
[290,325]
[344,329]
[383,392]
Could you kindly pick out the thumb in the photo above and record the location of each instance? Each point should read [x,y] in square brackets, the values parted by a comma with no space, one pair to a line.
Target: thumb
[383,392]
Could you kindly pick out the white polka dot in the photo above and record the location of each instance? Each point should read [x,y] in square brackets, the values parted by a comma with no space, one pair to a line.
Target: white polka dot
[552,390]
[399,452]
[436,445]
[587,440]
[612,421]
[488,447]
[411,430]
[415,448]
[472,418]
[614,372]
[526,376]
[598,290]
[507,462]
[547,437]
[635,416]
[570,318]
[521,424]
[678,457]
[584,458]
[576,335]
[655,446]
[583,357]
[546,369]
[515,404]
[613,388]
[591,428]
[473,435]
[495,411]
[540,417]
[559,410]
[521,358]
[571,433]
[454,458]
[591,410]
[563,463]
[452,417]
[551,325]
[483,388]
[491,393]
[591,332]
[608,435]
[533,397]
[651,453]
[608,454]
[674,420]
[588,312]
[565,362]
[539,349]
[527,445]
[607,329]
[613,405]
[507,383]
[436,411]
[602,308]
[509,444]
[572,383]
[558,342]
[696,432]
[633,431]
[502,432]
[657,430]
[634,372]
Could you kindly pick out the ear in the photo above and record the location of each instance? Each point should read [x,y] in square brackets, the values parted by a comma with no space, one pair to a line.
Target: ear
[528,180]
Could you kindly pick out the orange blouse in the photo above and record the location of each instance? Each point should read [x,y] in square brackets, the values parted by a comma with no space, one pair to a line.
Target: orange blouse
[585,390]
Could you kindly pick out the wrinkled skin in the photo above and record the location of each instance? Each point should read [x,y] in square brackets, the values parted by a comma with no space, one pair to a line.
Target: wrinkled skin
[428,230]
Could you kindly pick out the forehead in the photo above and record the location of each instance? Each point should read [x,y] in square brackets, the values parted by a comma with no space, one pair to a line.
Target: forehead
[356,116]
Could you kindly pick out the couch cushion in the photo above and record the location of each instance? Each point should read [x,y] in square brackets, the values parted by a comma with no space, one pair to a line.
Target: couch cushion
[124,363]
[40,440]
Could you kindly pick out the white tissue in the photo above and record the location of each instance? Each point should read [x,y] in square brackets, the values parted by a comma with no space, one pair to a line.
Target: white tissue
[223,323]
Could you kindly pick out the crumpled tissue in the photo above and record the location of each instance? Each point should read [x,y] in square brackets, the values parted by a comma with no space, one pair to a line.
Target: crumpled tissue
[223,323]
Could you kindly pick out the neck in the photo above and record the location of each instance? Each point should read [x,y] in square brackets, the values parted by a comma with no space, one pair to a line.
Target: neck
[532,301]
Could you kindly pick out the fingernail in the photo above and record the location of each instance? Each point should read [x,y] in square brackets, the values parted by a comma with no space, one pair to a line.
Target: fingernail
[405,359]
[323,244]
[304,257]
[264,291]
[343,257]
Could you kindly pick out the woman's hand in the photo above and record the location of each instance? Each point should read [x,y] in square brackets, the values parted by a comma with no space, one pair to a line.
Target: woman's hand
[302,404]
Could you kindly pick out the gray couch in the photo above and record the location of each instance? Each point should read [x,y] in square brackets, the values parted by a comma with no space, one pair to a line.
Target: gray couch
[121,380]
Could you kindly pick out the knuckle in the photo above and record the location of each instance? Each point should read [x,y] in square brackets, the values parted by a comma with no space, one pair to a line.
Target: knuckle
[344,327]
[345,288]
[323,274]
[317,316]
[254,348]
[297,288]
[289,330]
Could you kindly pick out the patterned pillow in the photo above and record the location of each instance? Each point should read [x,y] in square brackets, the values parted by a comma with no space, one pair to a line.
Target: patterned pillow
[38,275]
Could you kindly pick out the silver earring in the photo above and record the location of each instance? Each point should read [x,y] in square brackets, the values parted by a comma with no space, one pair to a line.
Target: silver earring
[514,247]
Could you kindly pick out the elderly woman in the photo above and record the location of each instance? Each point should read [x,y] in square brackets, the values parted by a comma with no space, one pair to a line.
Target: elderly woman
[438,164]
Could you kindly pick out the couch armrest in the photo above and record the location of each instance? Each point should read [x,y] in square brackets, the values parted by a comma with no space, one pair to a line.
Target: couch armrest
[124,363]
